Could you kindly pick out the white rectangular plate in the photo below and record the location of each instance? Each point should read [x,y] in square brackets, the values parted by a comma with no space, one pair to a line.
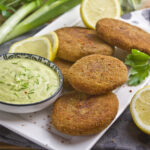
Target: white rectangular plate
[37,127]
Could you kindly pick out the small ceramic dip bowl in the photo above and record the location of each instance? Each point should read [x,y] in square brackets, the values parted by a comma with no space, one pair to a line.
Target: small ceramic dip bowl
[28,83]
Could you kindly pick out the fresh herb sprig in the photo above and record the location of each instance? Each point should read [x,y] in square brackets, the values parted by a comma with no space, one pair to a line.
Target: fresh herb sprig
[140,66]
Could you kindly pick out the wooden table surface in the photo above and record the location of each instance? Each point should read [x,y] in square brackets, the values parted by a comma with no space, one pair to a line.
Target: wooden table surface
[4,146]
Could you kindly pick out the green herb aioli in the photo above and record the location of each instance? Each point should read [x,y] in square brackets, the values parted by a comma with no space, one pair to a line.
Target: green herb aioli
[25,81]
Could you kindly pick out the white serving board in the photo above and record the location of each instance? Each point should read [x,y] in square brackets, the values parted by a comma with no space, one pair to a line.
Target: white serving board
[37,127]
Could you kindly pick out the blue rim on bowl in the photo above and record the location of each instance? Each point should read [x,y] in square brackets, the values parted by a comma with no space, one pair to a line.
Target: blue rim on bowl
[39,59]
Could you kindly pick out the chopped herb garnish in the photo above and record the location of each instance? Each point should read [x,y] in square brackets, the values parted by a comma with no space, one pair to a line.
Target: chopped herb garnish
[3,77]
[37,81]
[29,96]
[30,76]
[2,82]
[25,85]
[25,68]
[16,94]
[8,84]
[51,93]
[31,92]
[14,63]
[21,88]
[48,87]
[23,74]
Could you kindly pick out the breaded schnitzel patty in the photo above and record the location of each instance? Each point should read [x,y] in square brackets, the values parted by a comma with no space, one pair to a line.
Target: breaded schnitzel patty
[77,42]
[80,114]
[97,74]
[64,67]
[123,35]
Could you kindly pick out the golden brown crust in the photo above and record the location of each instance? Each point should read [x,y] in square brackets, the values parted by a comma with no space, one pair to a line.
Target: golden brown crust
[97,74]
[77,42]
[123,35]
[80,114]
[64,67]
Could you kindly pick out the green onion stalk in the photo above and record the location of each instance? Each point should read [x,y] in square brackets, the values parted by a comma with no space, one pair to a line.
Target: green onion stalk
[12,21]
[129,5]
[50,10]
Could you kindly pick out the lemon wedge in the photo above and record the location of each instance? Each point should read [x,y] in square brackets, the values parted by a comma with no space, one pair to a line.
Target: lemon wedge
[53,38]
[140,109]
[93,10]
[35,45]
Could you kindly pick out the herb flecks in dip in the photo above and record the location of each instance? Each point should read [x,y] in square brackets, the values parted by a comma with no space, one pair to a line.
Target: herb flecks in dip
[24,81]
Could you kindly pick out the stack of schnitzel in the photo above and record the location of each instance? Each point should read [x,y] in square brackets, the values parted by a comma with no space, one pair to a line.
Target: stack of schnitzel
[86,60]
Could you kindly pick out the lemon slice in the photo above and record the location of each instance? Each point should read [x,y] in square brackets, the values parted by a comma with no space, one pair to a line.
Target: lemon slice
[35,45]
[53,38]
[93,10]
[140,109]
